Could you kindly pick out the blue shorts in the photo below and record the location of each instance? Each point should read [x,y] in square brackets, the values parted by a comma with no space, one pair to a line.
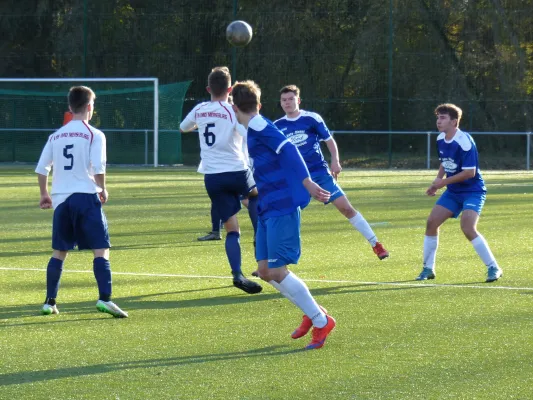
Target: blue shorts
[80,220]
[457,202]
[225,190]
[278,240]
[327,182]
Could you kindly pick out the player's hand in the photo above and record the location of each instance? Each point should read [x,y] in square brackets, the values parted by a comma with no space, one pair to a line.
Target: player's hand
[103,195]
[438,183]
[335,169]
[316,191]
[45,202]
[431,191]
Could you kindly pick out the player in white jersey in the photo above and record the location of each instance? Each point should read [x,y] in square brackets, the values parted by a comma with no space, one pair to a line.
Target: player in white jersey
[225,168]
[77,153]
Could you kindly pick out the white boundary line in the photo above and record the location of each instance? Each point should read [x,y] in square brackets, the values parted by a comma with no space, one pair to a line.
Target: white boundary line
[413,284]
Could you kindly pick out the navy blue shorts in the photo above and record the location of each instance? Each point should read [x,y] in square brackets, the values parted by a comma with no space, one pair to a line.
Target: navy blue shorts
[80,220]
[225,190]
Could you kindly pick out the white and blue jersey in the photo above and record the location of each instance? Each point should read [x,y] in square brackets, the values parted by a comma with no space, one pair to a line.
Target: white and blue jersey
[459,154]
[306,131]
[277,173]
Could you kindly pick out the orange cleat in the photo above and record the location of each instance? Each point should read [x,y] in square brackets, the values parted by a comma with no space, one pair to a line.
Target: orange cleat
[380,251]
[320,334]
[305,326]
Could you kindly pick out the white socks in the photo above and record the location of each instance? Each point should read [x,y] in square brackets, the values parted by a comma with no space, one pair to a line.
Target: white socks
[430,251]
[360,223]
[482,249]
[294,289]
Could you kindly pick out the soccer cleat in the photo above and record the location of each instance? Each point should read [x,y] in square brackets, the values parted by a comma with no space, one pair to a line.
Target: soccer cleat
[320,334]
[426,274]
[380,251]
[48,309]
[210,236]
[493,274]
[305,326]
[110,308]
[246,285]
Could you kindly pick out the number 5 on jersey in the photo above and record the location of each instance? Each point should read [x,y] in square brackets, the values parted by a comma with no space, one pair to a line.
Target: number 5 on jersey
[68,156]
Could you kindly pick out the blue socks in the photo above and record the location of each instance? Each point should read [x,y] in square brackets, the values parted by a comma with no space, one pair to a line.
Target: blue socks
[215,220]
[252,211]
[53,275]
[102,273]
[233,251]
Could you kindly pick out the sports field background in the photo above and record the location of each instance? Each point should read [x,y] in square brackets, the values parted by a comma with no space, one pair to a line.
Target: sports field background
[191,335]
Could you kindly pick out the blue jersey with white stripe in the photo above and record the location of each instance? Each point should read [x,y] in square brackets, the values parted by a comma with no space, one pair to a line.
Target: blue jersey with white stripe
[306,131]
[281,192]
[459,154]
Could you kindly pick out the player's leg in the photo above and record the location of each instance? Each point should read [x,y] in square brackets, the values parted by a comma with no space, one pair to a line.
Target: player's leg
[63,240]
[102,274]
[92,234]
[215,227]
[469,219]
[54,270]
[278,244]
[356,219]
[446,207]
[233,252]
[360,224]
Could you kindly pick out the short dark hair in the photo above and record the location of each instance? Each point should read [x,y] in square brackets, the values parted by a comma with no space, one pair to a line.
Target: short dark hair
[451,109]
[219,80]
[79,97]
[290,89]
[246,96]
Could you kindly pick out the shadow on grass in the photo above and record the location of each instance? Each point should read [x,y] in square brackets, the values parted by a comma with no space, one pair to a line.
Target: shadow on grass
[34,310]
[17,378]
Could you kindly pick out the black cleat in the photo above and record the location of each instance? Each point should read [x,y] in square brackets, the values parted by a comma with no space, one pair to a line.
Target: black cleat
[210,236]
[247,285]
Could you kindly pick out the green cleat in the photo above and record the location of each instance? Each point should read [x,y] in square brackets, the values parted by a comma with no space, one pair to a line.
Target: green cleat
[48,309]
[110,308]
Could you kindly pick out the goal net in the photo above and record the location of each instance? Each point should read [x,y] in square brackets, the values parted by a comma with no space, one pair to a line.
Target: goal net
[139,117]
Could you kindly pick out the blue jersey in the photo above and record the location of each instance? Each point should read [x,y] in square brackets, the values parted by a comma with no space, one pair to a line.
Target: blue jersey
[456,155]
[280,189]
[306,131]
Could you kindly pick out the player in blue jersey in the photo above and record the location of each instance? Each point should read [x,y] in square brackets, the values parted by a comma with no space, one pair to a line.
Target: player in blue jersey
[224,165]
[306,130]
[284,186]
[465,192]
[77,153]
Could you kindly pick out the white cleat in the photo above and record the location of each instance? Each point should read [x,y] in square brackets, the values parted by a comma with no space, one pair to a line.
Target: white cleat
[110,308]
[48,309]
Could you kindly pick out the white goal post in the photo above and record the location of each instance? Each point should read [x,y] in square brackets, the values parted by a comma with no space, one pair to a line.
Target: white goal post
[154,81]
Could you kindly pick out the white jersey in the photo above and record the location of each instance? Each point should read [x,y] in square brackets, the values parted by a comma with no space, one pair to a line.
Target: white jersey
[221,143]
[77,152]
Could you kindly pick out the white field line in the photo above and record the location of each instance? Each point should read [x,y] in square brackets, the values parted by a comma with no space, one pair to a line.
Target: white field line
[412,284]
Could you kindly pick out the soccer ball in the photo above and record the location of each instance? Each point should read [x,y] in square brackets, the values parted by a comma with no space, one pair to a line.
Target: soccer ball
[239,33]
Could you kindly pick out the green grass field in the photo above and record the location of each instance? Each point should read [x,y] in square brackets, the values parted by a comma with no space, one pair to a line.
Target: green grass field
[191,335]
